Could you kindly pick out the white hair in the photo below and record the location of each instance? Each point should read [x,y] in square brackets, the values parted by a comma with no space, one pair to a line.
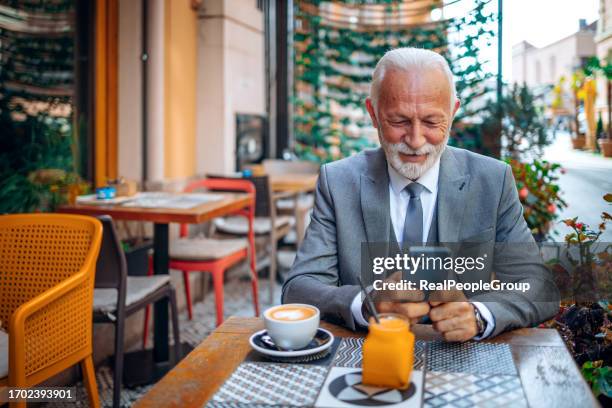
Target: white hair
[407,59]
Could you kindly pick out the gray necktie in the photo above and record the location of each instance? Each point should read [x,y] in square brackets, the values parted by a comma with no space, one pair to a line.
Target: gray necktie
[413,223]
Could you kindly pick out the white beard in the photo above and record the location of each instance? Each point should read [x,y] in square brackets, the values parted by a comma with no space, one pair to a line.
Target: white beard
[409,170]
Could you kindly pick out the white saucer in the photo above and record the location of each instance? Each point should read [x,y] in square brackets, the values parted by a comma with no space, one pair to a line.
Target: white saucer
[323,337]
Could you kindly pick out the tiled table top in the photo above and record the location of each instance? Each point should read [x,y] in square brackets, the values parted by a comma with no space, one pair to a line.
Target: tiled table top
[517,368]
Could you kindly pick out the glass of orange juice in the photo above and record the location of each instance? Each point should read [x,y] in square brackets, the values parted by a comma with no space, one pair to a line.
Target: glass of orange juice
[388,352]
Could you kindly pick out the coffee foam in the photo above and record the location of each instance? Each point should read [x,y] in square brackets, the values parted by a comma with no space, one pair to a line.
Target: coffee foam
[289,314]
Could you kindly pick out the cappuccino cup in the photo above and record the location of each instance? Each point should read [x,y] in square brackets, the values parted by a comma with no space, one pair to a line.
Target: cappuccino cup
[292,326]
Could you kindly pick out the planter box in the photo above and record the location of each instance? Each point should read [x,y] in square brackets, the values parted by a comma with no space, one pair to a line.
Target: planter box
[137,258]
[578,142]
[605,145]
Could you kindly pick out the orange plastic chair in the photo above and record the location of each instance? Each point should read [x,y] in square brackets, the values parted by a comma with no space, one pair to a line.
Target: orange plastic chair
[215,263]
[47,271]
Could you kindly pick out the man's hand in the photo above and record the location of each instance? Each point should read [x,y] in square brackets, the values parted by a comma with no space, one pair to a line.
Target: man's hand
[456,321]
[406,303]
[413,311]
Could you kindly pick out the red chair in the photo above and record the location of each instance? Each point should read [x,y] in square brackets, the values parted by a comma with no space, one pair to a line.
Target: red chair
[213,255]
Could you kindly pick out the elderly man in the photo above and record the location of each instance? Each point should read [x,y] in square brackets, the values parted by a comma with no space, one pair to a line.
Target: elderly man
[416,188]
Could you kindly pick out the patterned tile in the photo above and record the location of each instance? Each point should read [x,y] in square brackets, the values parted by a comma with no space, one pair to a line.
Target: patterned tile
[469,390]
[343,388]
[419,354]
[262,383]
[470,357]
[349,353]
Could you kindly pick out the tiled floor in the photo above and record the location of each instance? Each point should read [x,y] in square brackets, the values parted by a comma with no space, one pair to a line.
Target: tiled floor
[193,332]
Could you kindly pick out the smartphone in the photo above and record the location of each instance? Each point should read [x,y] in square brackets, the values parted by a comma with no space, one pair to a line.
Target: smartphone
[431,265]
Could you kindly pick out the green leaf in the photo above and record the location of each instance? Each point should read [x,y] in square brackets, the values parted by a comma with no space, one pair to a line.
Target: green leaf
[602,383]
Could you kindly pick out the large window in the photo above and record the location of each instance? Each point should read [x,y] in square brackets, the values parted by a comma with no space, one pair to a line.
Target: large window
[40,147]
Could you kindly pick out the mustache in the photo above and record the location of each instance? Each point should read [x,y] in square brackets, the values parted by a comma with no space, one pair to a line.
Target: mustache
[405,149]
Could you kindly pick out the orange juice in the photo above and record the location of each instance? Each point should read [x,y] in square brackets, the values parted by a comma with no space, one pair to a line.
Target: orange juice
[388,353]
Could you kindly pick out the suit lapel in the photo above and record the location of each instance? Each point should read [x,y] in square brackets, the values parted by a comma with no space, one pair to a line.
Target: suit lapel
[453,185]
[375,200]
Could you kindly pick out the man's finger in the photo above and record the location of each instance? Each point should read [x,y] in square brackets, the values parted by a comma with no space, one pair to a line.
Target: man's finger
[444,312]
[385,307]
[409,295]
[444,326]
[447,296]
[449,310]
[389,295]
[412,310]
[457,335]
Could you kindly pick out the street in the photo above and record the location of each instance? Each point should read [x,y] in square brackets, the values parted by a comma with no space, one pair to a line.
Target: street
[587,178]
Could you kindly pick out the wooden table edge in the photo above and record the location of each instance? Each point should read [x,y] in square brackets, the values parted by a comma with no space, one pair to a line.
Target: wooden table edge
[157,215]
[237,330]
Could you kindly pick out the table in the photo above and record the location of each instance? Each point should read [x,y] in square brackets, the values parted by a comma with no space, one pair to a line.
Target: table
[547,371]
[161,217]
[297,183]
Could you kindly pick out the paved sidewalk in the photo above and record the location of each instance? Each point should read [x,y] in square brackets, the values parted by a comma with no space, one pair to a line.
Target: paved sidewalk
[587,178]
[237,303]
[237,296]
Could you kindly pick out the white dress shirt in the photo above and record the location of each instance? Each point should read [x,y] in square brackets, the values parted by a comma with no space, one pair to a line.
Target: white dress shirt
[398,205]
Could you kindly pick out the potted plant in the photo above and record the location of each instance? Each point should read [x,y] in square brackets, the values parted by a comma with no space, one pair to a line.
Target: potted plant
[582,271]
[584,320]
[518,122]
[605,145]
[594,66]
[57,187]
[538,190]
[590,262]
[579,141]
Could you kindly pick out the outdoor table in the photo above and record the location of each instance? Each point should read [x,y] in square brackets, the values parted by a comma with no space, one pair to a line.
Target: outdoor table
[289,186]
[549,376]
[296,183]
[140,369]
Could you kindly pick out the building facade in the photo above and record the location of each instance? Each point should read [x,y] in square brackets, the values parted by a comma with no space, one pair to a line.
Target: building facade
[539,67]
[205,64]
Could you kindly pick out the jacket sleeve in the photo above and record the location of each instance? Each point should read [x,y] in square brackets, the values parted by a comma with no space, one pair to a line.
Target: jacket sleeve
[314,277]
[518,259]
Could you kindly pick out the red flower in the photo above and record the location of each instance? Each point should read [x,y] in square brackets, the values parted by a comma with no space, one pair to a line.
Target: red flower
[551,208]
[569,222]
[523,193]
[579,226]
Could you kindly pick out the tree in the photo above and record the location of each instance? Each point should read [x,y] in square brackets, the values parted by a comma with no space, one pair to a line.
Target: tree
[523,127]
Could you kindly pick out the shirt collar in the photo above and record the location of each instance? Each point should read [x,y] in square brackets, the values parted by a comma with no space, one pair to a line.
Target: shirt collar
[429,179]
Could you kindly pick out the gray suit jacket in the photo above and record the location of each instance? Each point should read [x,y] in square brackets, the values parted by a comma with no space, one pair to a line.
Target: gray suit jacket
[477,198]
